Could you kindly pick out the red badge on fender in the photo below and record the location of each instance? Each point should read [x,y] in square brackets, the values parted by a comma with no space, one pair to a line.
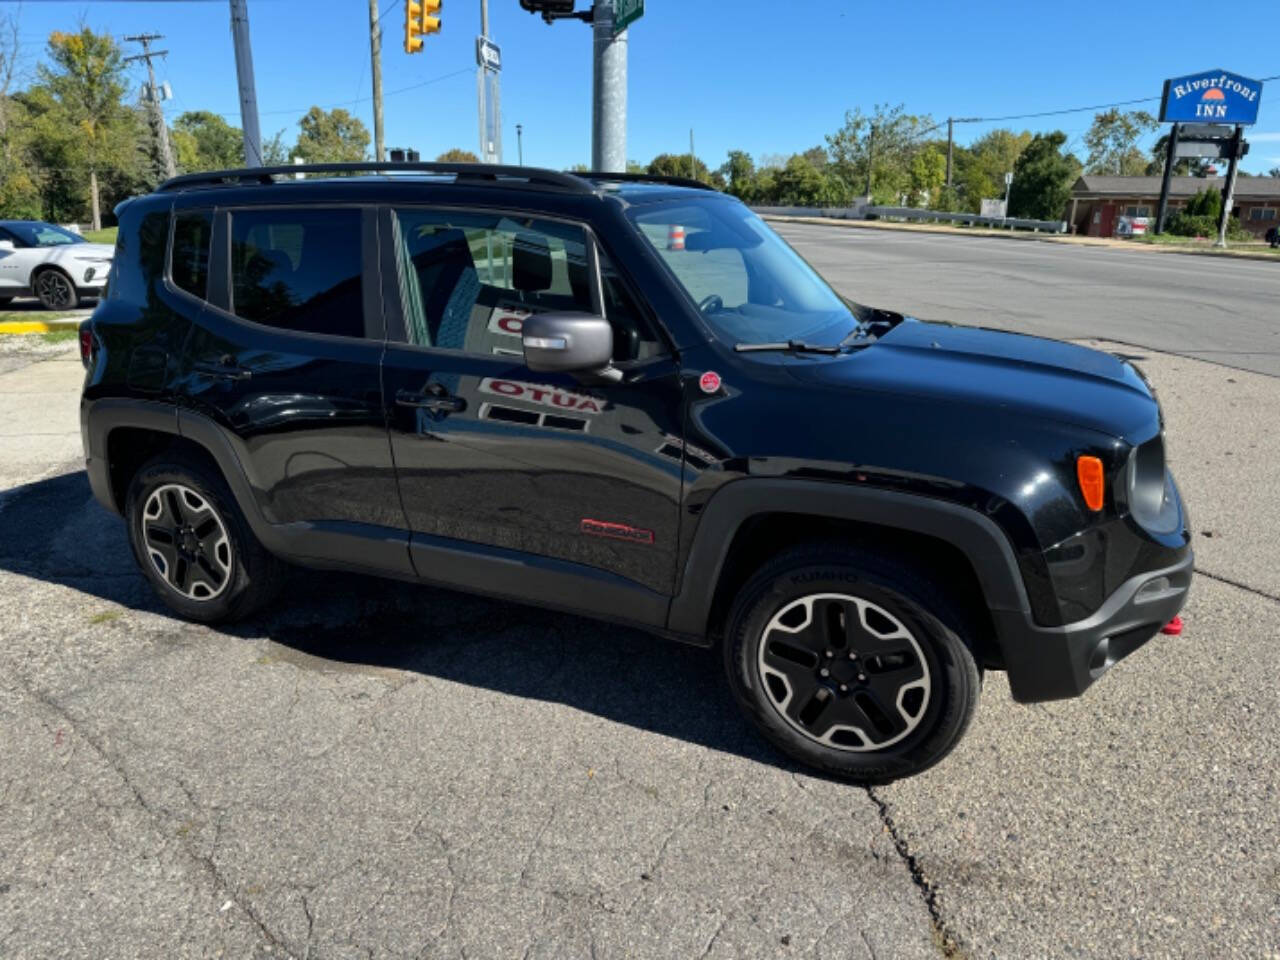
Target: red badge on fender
[709,382]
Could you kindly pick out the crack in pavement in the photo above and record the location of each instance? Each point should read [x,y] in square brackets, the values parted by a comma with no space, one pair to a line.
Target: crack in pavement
[948,942]
[205,862]
[1237,584]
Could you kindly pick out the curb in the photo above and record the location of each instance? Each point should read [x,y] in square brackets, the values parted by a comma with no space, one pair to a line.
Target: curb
[1069,240]
[40,326]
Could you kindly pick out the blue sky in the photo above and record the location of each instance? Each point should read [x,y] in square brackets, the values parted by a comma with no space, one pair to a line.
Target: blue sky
[766,77]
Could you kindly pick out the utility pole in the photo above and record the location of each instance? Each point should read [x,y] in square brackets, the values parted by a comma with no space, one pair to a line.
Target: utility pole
[950,124]
[152,97]
[609,98]
[520,142]
[693,158]
[248,93]
[375,54]
[871,157]
[488,95]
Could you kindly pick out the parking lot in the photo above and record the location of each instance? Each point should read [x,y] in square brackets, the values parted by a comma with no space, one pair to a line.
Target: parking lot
[376,769]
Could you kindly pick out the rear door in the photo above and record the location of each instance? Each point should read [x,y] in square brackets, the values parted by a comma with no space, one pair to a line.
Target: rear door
[537,473]
[285,357]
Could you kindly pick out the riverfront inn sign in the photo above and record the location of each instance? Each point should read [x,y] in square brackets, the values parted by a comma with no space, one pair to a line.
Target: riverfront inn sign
[1214,96]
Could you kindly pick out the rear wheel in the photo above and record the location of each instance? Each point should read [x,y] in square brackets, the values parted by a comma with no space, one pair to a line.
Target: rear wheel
[5,301]
[55,290]
[851,663]
[193,545]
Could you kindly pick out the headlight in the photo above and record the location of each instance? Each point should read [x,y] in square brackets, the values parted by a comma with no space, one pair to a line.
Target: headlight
[1153,501]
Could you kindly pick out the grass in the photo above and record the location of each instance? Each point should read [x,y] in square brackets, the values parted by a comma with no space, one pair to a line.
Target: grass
[105,235]
[106,616]
[59,336]
[1206,243]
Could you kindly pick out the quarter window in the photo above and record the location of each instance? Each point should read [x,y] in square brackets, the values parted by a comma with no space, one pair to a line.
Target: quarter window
[298,270]
[190,257]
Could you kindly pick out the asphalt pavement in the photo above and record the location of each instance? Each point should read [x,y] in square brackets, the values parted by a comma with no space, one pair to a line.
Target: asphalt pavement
[376,769]
[1212,308]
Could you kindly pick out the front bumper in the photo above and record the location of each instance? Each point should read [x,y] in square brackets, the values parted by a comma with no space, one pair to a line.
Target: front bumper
[1052,663]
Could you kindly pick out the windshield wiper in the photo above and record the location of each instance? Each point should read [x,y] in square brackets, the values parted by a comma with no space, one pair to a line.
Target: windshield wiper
[787,346]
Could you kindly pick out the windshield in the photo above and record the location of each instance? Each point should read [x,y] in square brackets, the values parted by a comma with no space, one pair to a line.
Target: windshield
[42,234]
[747,282]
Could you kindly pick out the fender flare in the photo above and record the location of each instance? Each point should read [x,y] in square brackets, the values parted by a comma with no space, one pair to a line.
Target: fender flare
[975,535]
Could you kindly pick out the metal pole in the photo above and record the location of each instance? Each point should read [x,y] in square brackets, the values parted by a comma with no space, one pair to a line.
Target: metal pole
[520,143]
[609,99]
[244,74]
[1170,159]
[871,156]
[1229,189]
[375,54]
[693,158]
[488,94]
[950,122]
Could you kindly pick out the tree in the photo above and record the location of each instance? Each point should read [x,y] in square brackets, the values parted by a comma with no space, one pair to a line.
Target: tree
[1274,172]
[1042,178]
[928,174]
[876,151]
[739,174]
[19,195]
[682,165]
[980,167]
[94,130]
[274,152]
[457,155]
[217,145]
[333,136]
[1113,142]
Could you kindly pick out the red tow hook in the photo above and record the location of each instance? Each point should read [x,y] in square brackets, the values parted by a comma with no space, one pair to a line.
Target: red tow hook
[1173,628]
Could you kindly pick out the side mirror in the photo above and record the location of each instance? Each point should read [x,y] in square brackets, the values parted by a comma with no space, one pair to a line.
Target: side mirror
[6,246]
[567,342]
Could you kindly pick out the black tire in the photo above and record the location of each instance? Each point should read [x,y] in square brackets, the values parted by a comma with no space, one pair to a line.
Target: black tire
[251,576]
[5,301]
[55,290]
[777,685]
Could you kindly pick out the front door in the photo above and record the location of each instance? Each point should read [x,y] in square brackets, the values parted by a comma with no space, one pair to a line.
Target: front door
[546,482]
[285,359]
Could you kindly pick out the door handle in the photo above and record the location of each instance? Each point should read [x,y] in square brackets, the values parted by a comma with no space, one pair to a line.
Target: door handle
[437,402]
[224,369]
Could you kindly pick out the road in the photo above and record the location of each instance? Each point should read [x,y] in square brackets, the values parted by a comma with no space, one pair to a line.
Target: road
[1212,308]
[376,769]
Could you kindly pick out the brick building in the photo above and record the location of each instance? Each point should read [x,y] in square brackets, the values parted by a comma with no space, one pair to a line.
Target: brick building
[1097,202]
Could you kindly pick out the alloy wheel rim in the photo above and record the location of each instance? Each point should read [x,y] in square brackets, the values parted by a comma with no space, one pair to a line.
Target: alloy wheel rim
[53,289]
[844,672]
[186,542]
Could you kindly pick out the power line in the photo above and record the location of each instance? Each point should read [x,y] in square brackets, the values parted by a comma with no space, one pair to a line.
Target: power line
[348,103]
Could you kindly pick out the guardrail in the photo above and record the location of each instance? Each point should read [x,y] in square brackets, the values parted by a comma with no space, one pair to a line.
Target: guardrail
[869,212]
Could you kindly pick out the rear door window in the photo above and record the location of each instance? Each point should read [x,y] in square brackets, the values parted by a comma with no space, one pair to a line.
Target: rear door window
[298,269]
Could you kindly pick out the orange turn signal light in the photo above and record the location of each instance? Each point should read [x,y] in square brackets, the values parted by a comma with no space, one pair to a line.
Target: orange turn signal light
[1092,482]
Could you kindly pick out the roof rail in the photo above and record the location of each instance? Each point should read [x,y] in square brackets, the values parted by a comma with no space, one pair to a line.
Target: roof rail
[605,176]
[468,172]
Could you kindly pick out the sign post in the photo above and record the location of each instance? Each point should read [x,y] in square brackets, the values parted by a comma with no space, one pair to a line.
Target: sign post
[1201,106]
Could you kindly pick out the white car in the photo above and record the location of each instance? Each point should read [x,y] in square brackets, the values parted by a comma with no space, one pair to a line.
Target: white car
[56,265]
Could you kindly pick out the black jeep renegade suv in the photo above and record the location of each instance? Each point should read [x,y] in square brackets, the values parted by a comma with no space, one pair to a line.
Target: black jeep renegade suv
[629,399]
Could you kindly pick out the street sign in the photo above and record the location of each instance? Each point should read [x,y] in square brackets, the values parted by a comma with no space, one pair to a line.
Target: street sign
[625,13]
[1213,96]
[488,54]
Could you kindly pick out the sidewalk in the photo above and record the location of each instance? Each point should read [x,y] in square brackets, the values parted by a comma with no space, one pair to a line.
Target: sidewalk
[39,416]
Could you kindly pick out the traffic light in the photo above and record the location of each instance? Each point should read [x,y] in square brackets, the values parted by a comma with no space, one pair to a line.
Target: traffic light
[430,24]
[412,26]
[419,22]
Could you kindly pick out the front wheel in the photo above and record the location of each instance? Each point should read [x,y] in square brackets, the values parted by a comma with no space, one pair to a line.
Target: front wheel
[193,544]
[851,663]
[56,291]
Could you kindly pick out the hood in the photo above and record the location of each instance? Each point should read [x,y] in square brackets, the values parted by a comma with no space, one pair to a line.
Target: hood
[1020,374]
[92,252]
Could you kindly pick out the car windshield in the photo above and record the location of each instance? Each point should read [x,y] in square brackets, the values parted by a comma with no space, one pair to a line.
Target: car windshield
[43,234]
[749,285]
